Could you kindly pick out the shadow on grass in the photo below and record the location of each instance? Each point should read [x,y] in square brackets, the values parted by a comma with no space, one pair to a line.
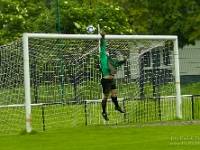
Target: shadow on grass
[24,132]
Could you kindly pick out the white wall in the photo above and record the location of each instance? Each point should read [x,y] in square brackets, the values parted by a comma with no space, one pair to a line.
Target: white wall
[189,58]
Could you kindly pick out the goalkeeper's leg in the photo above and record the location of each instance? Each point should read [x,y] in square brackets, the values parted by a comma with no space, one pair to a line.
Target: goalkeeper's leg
[106,91]
[114,100]
[104,103]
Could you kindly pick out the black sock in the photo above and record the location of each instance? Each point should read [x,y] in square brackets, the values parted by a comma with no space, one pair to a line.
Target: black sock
[103,103]
[114,100]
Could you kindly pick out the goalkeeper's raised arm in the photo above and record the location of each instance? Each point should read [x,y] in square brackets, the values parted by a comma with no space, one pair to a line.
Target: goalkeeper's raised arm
[108,70]
[108,66]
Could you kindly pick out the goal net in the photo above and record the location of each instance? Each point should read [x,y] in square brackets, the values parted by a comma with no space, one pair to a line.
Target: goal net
[52,81]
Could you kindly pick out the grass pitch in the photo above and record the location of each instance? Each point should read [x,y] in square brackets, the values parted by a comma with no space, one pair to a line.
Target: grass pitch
[106,137]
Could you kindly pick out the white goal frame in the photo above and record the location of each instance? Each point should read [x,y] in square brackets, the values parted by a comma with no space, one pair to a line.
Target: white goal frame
[26,37]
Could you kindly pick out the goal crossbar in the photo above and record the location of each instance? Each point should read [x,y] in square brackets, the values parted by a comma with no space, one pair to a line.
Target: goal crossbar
[97,36]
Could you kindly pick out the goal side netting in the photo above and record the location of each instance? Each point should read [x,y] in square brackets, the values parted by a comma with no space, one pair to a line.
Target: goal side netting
[52,81]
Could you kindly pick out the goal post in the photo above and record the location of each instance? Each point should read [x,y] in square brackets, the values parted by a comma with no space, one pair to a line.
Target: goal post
[177,79]
[27,83]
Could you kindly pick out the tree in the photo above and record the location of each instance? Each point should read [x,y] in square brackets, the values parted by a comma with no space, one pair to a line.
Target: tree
[17,17]
[21,16]
[11,22]
[171,17]
[76,16]
[165,17]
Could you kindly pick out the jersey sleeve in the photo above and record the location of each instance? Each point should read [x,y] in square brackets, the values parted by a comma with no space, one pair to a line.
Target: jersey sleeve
[104,58]
[103,46]
[119,63]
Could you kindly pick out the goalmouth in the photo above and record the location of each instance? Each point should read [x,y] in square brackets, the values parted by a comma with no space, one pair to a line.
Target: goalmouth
[152,64]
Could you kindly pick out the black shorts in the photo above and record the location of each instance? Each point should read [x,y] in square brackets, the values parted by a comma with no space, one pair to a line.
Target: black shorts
[108,85]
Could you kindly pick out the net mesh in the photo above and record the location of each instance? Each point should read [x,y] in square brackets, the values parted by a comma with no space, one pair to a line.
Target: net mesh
[65,83]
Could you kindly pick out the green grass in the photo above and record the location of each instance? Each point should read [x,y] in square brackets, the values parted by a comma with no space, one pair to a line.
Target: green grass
[104,137]
[190,89]
[87,90]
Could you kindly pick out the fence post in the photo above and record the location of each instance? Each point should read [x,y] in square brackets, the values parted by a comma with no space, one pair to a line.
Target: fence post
[192,100]
[85,108]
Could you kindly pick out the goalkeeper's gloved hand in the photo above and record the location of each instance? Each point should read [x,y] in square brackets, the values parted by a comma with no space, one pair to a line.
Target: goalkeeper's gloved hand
[125,58]
[102,33]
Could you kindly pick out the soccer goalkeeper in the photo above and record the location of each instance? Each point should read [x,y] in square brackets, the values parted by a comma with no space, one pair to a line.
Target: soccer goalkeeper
[108,69]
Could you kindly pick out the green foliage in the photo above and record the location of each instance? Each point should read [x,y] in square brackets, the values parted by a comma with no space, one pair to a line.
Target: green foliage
[17,17]
[169,17]
[27,16]
[11,21]
[75,17]
[113,19]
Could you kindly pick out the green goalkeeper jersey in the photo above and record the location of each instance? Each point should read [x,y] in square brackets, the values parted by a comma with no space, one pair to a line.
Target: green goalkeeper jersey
[108,66]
